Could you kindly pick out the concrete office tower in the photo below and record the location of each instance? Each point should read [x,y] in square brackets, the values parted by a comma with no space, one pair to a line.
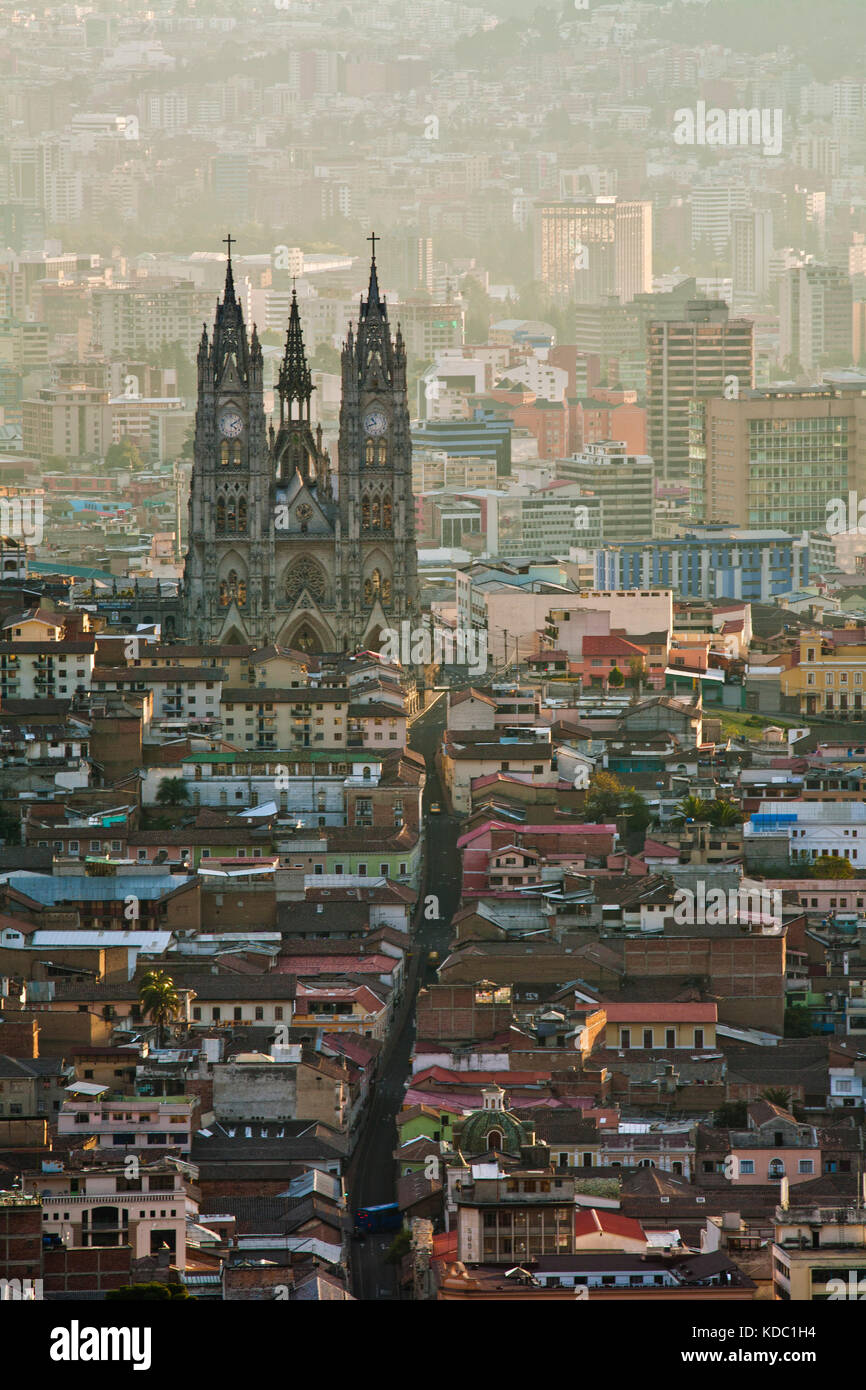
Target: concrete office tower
[752,250]
[594,247]
[816,318]
[624,482]
[713,210]
[775,457]
[702,354]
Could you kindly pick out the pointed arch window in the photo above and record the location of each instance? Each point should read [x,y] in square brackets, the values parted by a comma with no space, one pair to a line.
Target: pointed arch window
[233,588]
[224,453]
[372,587]
[386,511]
[365,513]
[221,515]
[236,454]
[231,516]
[242,514]
[383,453]
[370,453]
[374,519]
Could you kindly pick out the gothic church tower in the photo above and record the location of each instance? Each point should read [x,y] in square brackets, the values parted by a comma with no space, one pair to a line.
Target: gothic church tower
[377,557]
[273,556]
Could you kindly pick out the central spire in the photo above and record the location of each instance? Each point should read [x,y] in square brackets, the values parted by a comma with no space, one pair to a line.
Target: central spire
[295,380]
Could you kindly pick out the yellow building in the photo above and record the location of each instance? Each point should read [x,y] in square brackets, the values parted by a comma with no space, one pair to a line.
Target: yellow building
[830,678]
[819,1254]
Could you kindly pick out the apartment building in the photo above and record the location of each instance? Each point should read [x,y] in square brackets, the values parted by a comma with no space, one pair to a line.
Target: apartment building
[776,457]
[828,678]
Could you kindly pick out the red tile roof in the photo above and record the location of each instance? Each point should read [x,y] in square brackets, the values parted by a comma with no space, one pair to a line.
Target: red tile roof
[599,1221]
[611,646]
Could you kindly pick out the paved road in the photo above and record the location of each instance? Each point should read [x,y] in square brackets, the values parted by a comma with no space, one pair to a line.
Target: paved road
[372,1172]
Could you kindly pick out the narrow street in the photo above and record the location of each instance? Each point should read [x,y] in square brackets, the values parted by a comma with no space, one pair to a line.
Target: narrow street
[372,1173]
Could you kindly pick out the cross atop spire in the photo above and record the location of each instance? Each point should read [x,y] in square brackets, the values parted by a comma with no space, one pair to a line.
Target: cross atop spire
[373,291]
[229,295]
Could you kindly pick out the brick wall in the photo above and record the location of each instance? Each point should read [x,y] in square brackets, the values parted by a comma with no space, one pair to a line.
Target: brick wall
[74,1270]
[450,1011]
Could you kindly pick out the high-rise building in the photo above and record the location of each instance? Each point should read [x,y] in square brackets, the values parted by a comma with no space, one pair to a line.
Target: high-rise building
[703,353]
[775,457]
[624,483]
[713,209]
[273,556]
[752,249]
[593,247]
[816,317]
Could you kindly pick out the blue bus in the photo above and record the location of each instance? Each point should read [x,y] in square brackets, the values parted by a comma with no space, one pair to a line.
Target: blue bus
[371,1220]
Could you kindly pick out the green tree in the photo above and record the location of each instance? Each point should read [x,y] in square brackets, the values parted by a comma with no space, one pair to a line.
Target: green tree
[172,791]
[10,828]
[124,455]
[693,808]
[399,1247]
[604,797]
[798,1022]
[159,1000]
[325,359]
[616,677]
[831,866]
[777,1095]
[638,812]
[724,812]
[636,671]
[731,1114]
[143,1293]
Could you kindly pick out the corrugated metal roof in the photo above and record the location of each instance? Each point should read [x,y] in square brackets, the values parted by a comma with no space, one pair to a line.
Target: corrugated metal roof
[55,888]
[135,940]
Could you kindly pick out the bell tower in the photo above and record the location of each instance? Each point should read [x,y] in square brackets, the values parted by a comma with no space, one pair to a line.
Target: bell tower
[229,520]
[377,558]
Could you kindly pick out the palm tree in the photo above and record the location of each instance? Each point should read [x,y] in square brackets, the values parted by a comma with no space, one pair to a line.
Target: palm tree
[777,1095]
[172,791]
[159,999]
[693,808]
[724,812]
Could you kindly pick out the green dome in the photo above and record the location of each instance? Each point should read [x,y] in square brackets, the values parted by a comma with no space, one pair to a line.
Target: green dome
[477,1127]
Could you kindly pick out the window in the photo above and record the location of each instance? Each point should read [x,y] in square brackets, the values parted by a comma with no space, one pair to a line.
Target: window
[670,1037]
[647,1037]
[747,1165]
[625,1037]
[805,1165]
[699,1037]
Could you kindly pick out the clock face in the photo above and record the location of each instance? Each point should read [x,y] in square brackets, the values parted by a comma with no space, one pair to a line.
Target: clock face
[375,423]
[231,424]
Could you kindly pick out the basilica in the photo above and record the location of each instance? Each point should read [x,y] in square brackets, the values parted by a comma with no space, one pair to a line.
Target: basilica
[282,547]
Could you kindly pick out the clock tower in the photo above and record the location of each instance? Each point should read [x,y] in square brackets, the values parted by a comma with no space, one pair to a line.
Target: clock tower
[229,519]
[376,555]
